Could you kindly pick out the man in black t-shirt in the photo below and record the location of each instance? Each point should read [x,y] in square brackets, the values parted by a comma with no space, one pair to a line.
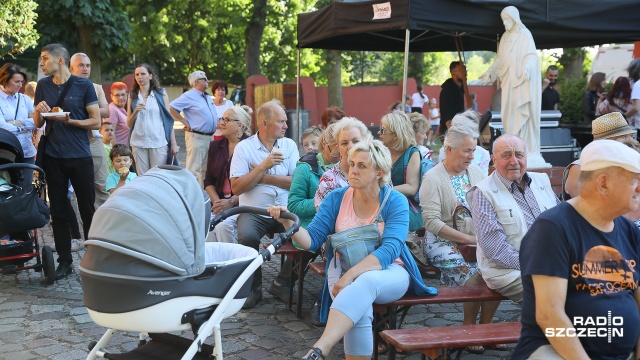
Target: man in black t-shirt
[67,156]
[579,265]
[550,95]
[452,94]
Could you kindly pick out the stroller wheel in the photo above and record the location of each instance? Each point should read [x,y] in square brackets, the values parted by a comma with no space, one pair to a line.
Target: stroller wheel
[92,344]
[48,265]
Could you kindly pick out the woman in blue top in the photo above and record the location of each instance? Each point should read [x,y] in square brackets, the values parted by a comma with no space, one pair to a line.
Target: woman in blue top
[384,275]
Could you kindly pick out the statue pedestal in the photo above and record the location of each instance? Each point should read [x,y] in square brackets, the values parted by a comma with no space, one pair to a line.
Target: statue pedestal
[536,161]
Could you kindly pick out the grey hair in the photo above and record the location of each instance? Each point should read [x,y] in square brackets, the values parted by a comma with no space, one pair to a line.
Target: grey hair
[469,119]
[194,76]
[507,137]
[244,116]
[265,111]
[347,123]
[327,139]
[400,124]
[79,54]
[379,156]
[456,135]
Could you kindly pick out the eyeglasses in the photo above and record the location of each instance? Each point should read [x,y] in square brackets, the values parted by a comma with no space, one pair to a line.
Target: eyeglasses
[225,121]
[205,79]
[384,131]
[119,95]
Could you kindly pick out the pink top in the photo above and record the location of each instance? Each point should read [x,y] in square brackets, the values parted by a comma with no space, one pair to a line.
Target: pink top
[118,118]
[347,218]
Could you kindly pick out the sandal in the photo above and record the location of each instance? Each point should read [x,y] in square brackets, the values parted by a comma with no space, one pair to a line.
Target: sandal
[499,347]
[479,349]
[315,354]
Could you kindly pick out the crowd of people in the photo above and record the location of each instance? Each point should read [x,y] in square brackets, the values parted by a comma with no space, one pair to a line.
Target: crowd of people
[526,238]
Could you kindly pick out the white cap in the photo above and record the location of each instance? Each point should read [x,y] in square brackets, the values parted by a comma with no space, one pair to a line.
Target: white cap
[601,154]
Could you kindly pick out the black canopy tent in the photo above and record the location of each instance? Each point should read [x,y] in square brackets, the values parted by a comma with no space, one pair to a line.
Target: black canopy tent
[432,25]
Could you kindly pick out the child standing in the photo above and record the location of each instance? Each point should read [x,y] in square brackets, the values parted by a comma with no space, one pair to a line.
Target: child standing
[106,130]
[310,139]
[434,121]
[120,156]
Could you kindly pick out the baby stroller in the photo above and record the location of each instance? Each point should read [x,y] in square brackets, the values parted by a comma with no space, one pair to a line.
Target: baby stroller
[145,271]
[22,212]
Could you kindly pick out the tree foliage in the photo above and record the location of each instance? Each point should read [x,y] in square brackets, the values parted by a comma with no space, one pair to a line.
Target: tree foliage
[98,28]
[17,26]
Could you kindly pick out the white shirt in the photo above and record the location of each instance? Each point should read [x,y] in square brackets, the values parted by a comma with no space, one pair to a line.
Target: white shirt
[220,109]
[148,131]
[418,100]
[634,120]
[251,150]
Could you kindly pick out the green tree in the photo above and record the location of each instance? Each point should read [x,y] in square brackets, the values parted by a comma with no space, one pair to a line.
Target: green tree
[17,26]
[97,28]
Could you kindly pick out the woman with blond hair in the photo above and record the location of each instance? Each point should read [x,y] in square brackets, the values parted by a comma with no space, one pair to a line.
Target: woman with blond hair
[348,132]
[235,126]
[382,276]
[396,133]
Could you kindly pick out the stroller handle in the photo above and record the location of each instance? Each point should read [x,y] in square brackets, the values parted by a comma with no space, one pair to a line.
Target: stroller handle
[22,166]
[260,211]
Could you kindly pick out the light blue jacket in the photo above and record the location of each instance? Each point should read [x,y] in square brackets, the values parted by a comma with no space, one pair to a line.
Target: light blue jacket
[395,215]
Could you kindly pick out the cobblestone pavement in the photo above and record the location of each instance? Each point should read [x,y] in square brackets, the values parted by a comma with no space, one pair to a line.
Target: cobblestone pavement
[50,322]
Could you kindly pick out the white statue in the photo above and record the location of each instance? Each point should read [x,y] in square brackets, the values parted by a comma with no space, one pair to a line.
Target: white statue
[518,67]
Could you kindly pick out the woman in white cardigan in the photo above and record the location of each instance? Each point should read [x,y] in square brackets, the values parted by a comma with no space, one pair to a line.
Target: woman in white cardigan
[444,188]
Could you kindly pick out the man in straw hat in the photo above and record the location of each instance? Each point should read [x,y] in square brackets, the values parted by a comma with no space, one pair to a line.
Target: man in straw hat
[579,274]
[612,126]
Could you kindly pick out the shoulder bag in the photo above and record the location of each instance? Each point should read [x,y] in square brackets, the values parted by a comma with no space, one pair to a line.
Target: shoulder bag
[464,224]
[42,144]
[353,245]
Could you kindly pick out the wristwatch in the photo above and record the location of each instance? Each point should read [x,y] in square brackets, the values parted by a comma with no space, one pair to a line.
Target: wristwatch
[231,200]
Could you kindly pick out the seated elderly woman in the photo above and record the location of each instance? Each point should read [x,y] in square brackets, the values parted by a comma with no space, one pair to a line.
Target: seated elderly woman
[382,276]
[481,156]
[235,126]
[443,189]
[348,132]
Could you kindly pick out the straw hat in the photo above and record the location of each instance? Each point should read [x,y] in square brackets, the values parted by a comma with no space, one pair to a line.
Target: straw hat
[610,125]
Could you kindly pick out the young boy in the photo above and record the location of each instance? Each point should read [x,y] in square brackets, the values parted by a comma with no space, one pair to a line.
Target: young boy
[121,158]
[106,130]
[310,139]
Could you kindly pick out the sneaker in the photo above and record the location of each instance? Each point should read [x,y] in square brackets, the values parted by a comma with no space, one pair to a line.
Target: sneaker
[52,246]
[77,245]
[255,296]
[281,291]
[315,315]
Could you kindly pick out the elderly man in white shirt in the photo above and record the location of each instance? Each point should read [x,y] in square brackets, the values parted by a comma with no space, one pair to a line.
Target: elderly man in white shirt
[260,174]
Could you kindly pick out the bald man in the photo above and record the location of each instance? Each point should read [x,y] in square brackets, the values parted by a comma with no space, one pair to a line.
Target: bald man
[504,206]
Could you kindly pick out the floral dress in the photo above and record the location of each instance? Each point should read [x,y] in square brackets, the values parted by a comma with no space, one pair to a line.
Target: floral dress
[454,270]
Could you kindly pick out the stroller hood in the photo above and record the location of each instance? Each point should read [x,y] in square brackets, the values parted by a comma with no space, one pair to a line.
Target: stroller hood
[159,218]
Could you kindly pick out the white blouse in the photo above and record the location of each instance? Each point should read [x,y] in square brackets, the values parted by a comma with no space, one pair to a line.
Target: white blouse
[148,131]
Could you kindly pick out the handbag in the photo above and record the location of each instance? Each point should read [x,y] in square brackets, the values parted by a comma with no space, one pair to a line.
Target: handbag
[21,209]
[353,245]
[42,144]
[463,222]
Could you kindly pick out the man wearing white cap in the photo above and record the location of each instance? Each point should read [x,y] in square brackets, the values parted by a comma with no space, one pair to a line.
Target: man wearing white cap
[579,262]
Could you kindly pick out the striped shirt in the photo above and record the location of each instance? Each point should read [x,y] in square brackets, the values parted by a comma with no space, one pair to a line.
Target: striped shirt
[491,236]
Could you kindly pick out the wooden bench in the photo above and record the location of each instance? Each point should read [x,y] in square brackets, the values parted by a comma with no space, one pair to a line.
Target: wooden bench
[299,261]
[386,315]
[429,341]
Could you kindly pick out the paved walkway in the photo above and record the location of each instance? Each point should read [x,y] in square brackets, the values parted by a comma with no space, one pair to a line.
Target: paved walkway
[50,322]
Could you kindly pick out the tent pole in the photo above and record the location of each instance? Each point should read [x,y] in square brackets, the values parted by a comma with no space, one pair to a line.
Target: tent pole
[405,71]
[298,130]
